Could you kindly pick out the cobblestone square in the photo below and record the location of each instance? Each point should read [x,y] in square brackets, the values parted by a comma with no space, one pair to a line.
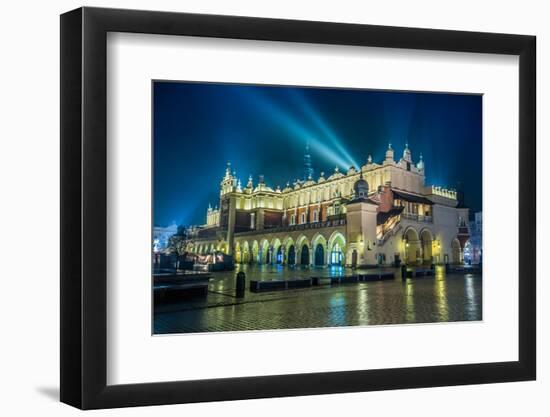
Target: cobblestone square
[439,298]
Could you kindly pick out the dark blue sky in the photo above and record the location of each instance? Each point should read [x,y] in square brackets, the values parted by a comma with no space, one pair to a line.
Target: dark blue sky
[198,127]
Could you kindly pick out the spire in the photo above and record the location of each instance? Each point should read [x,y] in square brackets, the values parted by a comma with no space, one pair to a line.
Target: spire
[228,170]
[369,159]
[250,183]
[308,169]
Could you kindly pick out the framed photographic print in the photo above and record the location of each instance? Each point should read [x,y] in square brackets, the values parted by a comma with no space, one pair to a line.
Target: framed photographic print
[328,207]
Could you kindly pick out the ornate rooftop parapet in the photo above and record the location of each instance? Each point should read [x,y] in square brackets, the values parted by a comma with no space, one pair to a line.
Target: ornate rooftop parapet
[443,192]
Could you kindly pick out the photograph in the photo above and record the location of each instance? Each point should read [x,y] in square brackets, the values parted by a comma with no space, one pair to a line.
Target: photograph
[292,207]
[266,209]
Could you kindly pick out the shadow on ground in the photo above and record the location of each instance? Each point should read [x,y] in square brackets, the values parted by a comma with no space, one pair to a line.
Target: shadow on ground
[50,392]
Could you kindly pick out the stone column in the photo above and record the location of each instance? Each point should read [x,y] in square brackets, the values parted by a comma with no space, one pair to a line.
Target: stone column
[231,224]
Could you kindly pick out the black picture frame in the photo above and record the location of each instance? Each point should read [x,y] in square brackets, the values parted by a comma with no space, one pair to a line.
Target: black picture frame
[84,207]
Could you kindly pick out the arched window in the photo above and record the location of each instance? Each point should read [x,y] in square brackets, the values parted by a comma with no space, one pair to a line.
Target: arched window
[315,215]
[336,255]
[303,218]
[293,219]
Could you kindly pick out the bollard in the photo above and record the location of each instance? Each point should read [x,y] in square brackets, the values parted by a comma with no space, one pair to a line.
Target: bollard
[403,272]
[241,283]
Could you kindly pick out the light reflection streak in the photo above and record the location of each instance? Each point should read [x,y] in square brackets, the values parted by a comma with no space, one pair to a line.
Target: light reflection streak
[410,316]
[440,292]
[363,306]
[471,305]
[337,311]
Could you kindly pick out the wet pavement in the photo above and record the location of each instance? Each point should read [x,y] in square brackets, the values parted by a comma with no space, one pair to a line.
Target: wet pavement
[439,298]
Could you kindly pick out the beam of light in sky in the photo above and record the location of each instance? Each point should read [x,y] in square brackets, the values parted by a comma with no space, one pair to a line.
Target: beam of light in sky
[321,124]
[299,131]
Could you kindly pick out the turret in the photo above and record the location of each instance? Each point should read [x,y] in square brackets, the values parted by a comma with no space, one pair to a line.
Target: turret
[407,153]
[389,154]
[420,164]
[361,214]
[361,188]
[227,171]
[229,182]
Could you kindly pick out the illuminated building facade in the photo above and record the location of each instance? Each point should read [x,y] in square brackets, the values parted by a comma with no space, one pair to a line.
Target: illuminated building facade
[382,213]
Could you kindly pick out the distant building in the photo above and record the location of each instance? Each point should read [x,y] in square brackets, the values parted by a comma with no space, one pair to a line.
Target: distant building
[473,249]
[161,235]
[381,213]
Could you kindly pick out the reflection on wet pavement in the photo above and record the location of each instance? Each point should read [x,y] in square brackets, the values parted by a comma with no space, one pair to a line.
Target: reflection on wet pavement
[439,298]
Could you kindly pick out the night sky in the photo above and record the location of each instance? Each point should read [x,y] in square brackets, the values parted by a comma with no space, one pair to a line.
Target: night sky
[199,127]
